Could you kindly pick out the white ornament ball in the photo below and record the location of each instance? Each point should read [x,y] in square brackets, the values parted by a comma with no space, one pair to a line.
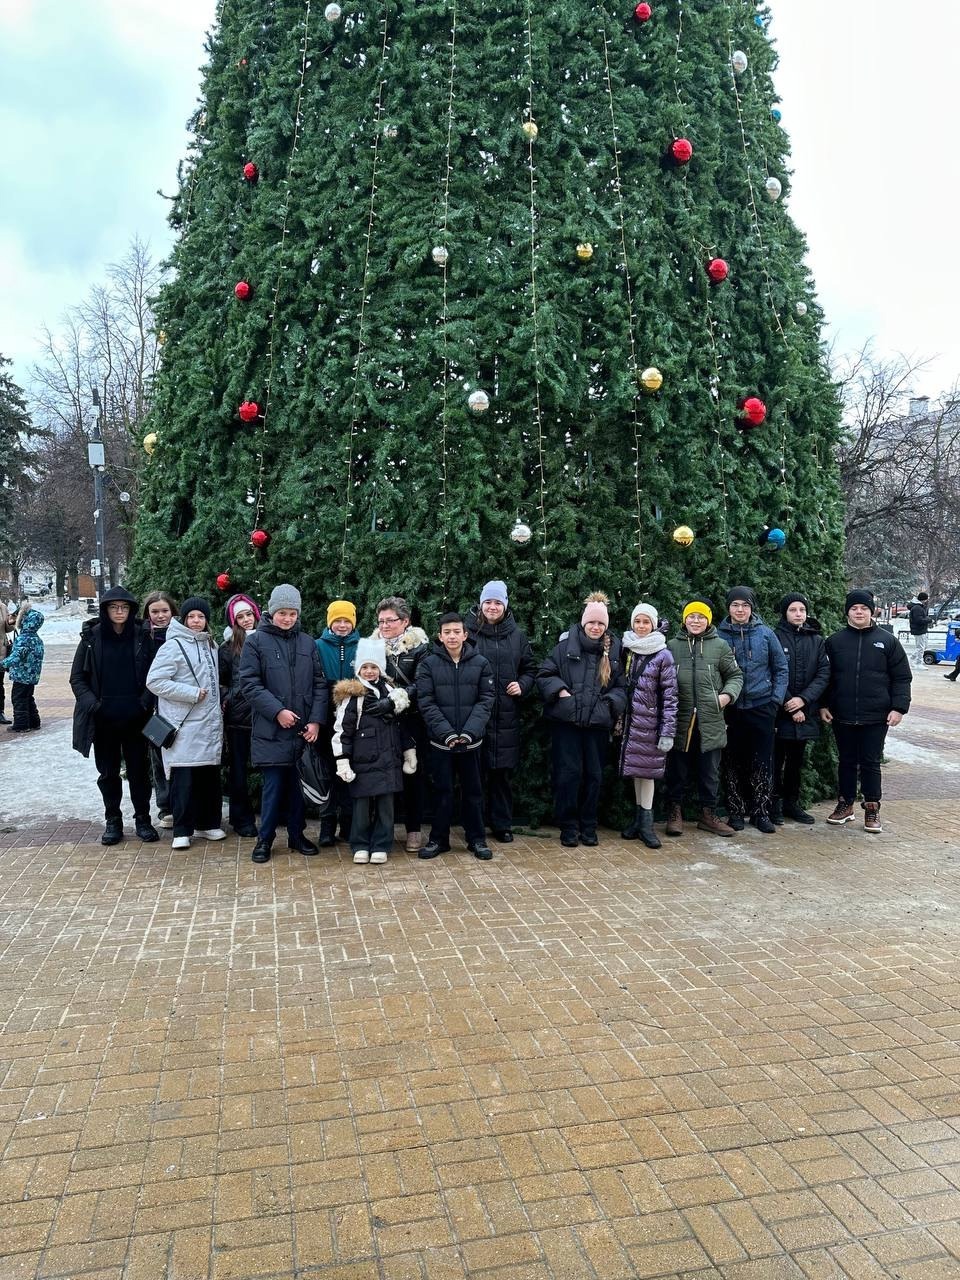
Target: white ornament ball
[478,401]
[738,60]
[333,13]
[801,309]
[773,188]
[440,254]
[529,130]
[521,533]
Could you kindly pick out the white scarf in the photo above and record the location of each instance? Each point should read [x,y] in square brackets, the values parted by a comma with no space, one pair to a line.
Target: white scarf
[652,643]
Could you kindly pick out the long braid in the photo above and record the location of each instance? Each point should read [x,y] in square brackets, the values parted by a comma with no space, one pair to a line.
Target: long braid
[603,667]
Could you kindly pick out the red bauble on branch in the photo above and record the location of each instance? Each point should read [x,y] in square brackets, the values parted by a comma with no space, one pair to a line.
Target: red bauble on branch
[250,171]
[223,581]
[249,411]
[242,290]
[752,411]
[643,12]
[259,538]
[717,270]
[681,150]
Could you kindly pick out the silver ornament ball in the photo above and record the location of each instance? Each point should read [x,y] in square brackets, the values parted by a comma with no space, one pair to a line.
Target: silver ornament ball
[521,533]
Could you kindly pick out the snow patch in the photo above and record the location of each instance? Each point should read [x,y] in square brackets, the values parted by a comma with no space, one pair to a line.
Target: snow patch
[733,854]
[702,866]
[909,753]
[43,777]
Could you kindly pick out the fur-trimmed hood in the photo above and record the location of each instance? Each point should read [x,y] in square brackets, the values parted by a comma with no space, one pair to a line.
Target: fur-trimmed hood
[345,689]
[357,688]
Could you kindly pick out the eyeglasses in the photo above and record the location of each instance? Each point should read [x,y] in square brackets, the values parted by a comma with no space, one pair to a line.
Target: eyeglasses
[388,622]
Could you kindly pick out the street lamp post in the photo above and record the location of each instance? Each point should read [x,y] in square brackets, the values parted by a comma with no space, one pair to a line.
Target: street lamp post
[97,460]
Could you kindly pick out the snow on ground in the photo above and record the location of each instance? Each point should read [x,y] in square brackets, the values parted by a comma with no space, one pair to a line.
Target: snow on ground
[62,626]
[42,776]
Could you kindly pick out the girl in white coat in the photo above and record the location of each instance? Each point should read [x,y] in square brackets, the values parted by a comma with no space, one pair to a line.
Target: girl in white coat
[184,677]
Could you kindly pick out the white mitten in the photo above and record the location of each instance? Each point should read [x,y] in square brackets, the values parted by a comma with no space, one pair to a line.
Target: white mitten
[401,700]
[410,760]
[344,772]
[665,745]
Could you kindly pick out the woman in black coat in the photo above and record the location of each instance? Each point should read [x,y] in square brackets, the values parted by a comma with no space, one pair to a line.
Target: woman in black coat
[798,720]
[495,633]
[585,693]
[243,614]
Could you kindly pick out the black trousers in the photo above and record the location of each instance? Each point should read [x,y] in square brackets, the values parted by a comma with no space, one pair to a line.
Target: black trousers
[161,784]
[788,756]
[498,788]
[415,784]
[860,748]
[371,824]
[238,768]
[464,765]
[577,757]
[116,744]
[281,796]
[25,713]
[705,764]
[747,761]
[196,797]
[3,690]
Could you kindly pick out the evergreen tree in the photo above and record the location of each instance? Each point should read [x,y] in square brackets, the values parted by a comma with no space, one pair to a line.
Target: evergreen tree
[14,458]
[452,197]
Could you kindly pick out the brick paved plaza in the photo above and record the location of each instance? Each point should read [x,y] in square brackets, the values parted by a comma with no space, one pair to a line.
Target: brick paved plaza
[726,1060]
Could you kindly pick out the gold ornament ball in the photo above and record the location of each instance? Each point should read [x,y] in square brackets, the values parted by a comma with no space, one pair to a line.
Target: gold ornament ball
[478,401]
[161,337]
[651,379]
[150,443]
[683,535]
[585,251]
[530,130]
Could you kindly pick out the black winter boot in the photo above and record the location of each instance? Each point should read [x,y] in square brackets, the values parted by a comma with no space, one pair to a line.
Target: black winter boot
[632,832]
[776,811]
[112,831]
[792,810]
[647,833]
[146,831]
[261,851]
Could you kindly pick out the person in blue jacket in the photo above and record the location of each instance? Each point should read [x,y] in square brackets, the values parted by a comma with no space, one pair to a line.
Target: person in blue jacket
[23,667]
[747,761]
[337,647]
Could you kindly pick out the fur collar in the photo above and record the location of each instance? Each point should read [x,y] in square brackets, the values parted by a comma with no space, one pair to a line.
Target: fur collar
[412,638]
[345,689]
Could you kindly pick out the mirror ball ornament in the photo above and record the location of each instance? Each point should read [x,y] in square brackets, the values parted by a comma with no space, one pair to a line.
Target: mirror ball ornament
[440,254]
[681,150]
[259,538]
[651,379]
[584,251]
[776,539]
[738,60]
[248,411]
[250,172]
[478,401]
[223,581]
[643,12]
[801,309]
[520,533]
[150,443]
[717,270]
[773,188]
[683,535]
[333,13]
[753,411]
[242,290]
[529,130]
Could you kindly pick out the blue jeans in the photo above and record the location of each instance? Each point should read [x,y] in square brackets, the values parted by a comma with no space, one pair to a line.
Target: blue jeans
[281,794]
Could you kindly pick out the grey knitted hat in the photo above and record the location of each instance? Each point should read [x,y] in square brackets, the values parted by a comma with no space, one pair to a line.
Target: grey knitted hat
[284,597]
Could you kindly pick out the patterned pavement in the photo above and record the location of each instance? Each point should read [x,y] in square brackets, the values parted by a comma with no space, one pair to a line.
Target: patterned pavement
[724,1060]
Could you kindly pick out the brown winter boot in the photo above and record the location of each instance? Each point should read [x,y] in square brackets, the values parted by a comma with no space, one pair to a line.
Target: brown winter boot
[871,816]
[674,825]
[716,826]
[841,814]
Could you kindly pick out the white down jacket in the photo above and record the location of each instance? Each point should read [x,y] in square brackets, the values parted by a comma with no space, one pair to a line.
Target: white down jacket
[200,740]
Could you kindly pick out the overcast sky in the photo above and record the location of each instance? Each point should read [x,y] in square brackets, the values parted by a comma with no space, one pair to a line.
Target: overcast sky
[94,96]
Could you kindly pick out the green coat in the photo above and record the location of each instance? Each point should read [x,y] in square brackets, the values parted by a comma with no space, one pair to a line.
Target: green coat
[706,668]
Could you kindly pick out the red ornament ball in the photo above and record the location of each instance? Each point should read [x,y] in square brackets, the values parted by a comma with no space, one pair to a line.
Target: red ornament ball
[753,411]
[249,411]
[242,290]
[259,538]
[643,13]
[250,171]
[241,63]
[681,150]
[223,581]
[717,270]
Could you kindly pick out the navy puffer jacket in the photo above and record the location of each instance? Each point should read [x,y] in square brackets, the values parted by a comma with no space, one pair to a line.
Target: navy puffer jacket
[280,670]
[809,674]
[508,651]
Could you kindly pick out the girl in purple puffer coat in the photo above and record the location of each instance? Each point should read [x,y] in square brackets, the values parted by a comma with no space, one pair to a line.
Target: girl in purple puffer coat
[651,716]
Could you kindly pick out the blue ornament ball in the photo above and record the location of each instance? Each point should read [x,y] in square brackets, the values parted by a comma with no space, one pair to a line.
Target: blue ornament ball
[758,19]
[776,113]
[776,538]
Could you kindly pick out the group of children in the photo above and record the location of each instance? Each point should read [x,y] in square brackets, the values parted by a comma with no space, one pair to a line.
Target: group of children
[730,705]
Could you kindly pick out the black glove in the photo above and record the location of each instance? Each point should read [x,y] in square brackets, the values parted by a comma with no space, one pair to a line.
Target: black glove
[451,739]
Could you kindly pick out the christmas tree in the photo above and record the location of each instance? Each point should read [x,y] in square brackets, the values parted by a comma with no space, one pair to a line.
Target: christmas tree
[468,290]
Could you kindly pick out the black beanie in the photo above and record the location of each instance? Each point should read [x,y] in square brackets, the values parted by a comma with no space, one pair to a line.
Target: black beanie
[742,593]
[793,597]
[860,595]
[194,602]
